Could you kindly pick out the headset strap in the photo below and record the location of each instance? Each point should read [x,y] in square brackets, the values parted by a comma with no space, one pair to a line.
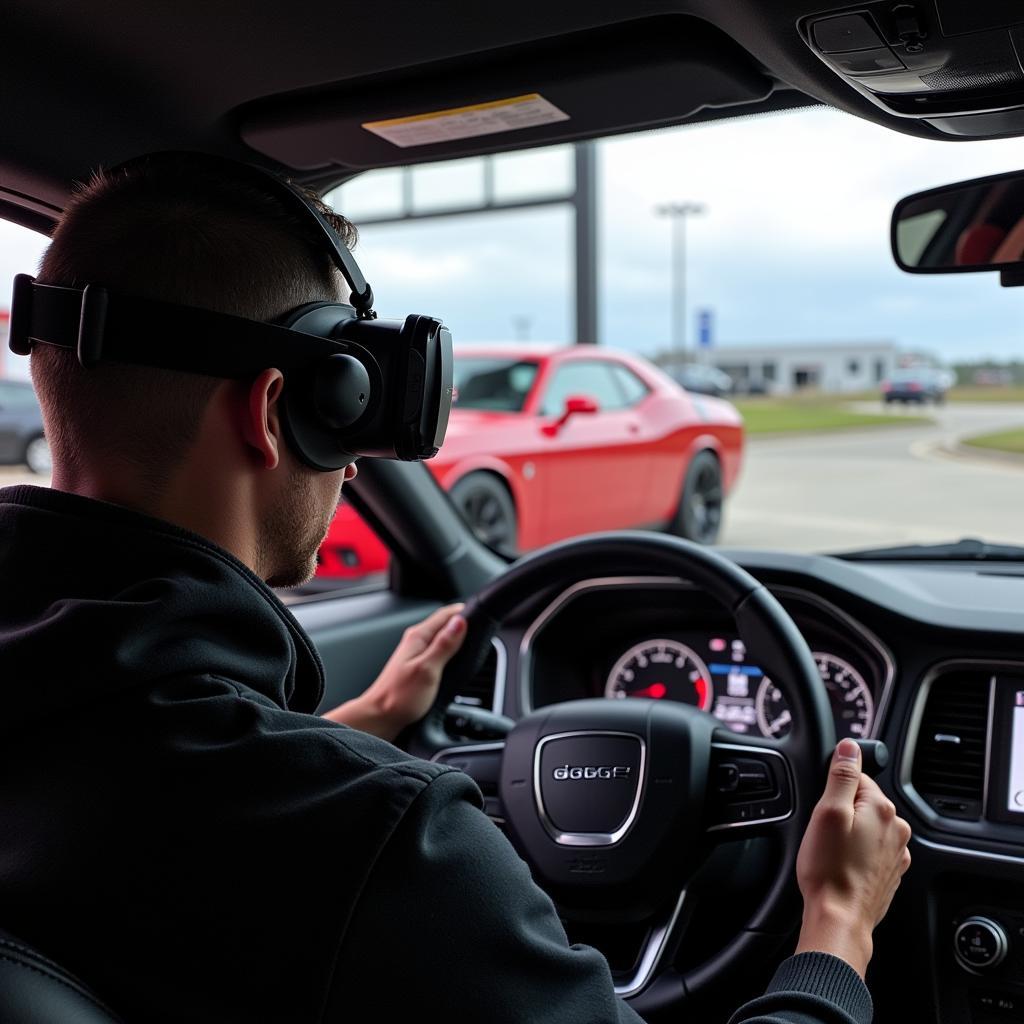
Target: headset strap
[294,198]
[362,294]
[104,326]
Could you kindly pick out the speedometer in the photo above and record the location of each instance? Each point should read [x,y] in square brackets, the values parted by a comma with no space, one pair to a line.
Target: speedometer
[853,706]
[662,670]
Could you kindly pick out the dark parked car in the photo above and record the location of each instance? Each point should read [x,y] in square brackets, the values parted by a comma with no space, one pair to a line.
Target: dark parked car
[916,384]
[21,427]
[703,380]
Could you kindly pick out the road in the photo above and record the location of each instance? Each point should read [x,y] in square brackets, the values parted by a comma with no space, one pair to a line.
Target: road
[878,486]
[864,488]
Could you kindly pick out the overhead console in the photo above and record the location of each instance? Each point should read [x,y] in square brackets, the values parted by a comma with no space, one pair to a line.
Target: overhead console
[955,66]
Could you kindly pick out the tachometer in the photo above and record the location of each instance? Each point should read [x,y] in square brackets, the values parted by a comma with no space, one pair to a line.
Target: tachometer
[853,707]
[662,670]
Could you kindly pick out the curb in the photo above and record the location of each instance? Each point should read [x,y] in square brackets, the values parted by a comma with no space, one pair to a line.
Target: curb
[971,453]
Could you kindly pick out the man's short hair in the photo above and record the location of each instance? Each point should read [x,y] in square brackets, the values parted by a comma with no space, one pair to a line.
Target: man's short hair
[179,230]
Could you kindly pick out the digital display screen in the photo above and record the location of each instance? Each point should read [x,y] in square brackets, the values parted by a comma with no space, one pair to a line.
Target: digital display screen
[1006,754]
[1015,788]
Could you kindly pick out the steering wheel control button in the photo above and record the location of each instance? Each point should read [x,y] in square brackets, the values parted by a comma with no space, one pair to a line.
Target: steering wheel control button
[754,778]
[980,943]
[588,785]
[727,777]
[752,786]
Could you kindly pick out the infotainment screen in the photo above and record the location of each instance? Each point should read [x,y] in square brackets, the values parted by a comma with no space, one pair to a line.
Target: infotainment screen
[1006,757]
[1015,790]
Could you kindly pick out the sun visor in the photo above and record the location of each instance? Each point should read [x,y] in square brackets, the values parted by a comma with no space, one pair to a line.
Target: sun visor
[642,74]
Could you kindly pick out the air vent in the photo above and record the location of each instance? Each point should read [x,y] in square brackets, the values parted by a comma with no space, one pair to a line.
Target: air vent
[479,692]
[949,762]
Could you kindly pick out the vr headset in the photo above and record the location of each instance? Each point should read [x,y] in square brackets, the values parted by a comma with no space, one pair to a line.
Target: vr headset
[353,385]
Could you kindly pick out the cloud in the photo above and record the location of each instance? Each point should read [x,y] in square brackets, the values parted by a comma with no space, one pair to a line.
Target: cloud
[412,267]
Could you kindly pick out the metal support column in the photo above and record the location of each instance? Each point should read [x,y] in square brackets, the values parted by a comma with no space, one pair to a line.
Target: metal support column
[585,210]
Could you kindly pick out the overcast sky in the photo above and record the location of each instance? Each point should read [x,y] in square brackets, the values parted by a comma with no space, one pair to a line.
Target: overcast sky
[793,245]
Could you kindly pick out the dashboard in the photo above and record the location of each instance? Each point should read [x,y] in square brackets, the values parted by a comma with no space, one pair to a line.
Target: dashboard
[931,657]
[927,657]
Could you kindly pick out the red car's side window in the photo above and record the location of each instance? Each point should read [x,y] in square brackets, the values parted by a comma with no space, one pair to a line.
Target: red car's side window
[633,388]
[593,379]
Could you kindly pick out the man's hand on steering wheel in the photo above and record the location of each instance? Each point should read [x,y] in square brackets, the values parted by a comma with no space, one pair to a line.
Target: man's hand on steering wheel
[851,860]
[407,685]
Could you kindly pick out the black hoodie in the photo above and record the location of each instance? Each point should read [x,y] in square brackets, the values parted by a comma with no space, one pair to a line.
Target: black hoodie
[180,831]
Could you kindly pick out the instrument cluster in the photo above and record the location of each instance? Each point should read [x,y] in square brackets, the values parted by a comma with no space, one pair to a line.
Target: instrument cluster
[650,640]
[716,674]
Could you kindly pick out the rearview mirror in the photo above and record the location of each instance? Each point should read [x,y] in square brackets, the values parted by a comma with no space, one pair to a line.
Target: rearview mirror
[963,228]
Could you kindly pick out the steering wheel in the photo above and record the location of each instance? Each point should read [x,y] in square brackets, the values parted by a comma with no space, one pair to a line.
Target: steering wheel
[616,804]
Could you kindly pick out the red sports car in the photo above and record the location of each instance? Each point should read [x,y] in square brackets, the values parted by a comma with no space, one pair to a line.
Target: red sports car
[548,442]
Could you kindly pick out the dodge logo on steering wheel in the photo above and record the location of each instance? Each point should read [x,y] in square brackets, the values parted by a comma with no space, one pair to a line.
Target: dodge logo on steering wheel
[564,772]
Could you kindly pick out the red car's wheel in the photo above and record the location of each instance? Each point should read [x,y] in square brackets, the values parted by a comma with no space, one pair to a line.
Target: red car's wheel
[699,516]
[488,509]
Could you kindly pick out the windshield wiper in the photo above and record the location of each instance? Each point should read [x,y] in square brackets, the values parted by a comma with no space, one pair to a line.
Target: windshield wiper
[967,549]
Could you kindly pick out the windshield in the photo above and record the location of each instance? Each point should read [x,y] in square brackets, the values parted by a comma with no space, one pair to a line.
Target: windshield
[492,384]
[758,248]
[702,330]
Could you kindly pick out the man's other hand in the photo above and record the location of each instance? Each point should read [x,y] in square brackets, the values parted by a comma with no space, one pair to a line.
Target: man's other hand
[851,860]
[407,685]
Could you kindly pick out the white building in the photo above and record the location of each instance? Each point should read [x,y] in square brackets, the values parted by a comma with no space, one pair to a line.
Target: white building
[835,367]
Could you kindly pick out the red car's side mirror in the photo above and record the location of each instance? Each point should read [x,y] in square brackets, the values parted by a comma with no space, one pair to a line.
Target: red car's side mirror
[574,405]
[580,403]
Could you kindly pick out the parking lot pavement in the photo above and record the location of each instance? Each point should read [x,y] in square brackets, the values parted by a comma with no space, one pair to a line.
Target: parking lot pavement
[878,486]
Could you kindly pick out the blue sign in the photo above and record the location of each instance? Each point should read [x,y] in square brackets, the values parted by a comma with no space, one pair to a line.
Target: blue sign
[705,321]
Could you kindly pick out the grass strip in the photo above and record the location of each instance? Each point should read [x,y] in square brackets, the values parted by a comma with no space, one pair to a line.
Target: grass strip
[1001,441]
[784,416]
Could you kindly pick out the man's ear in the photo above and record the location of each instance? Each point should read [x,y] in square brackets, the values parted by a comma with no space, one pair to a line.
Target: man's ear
[262,417]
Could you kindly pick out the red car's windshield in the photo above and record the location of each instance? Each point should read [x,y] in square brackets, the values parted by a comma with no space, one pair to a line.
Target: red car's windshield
[493,384]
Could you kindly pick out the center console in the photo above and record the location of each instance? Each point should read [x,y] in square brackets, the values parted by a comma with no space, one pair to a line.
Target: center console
[963,769]
[980,928]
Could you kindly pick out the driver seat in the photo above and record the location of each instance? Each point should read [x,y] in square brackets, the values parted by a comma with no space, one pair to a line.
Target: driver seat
[34,990]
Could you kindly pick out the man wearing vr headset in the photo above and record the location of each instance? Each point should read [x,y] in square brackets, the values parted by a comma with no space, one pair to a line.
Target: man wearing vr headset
[181,831]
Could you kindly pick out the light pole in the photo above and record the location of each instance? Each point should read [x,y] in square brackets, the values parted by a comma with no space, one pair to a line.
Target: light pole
[678,212]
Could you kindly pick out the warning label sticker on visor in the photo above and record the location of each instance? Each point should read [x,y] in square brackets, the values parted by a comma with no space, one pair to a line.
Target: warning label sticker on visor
[468,122]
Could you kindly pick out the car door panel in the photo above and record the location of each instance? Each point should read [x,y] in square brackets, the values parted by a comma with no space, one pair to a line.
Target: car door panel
[355,636]
[590,479]
[593,479]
